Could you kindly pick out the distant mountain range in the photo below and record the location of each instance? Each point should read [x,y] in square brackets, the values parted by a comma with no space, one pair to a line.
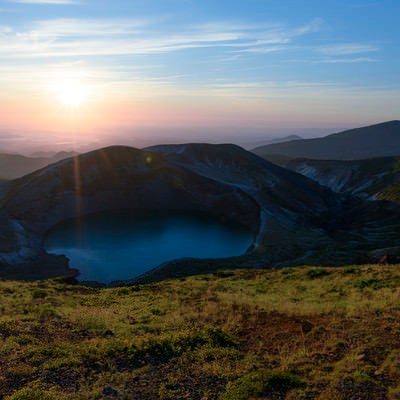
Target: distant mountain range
[293,219]
[264,142]
[13,166]
[285,139]
[378,140]
[373,179]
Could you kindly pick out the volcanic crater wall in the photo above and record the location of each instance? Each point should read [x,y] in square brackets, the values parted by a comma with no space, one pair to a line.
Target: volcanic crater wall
[109,179]
[293,219]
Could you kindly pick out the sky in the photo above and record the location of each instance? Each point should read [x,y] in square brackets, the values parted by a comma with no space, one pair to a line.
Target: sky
[76,73]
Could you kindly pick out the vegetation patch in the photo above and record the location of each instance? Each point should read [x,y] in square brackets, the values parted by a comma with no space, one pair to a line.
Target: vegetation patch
[317,273]
[260,384]
[296,333]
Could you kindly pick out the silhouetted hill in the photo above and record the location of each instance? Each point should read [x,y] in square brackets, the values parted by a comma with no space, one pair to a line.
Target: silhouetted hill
[285,139]
[14,166]
[374,178]
[378,140]
[265,142]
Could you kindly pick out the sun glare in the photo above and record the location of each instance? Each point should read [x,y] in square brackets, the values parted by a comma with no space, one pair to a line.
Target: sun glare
[72,93]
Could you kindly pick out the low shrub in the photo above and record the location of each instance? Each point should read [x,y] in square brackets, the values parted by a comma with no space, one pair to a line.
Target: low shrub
[351,269]
[372,283]
[317,273]
[260,383]
[30,394]
[39,294]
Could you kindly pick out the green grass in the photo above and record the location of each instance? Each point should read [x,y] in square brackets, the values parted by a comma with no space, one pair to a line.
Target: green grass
[298,333]
[260,384]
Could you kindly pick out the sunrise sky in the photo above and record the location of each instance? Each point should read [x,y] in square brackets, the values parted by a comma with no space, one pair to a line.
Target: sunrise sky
[86,72]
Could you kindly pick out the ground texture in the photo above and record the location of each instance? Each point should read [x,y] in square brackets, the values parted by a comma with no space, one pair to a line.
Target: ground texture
[294,333]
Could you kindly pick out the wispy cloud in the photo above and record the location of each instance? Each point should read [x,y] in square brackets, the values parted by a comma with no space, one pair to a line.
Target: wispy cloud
[64,28]
[40,53]
[279,38]
[262,50]
[347,49]
[313,26]
[45,1]
[349,60]
[83,37]
[267,88]
[301,94]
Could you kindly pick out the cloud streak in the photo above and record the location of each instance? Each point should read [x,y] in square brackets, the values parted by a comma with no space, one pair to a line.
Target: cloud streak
[83,37]
[348,60]
[347,49]
[47,2]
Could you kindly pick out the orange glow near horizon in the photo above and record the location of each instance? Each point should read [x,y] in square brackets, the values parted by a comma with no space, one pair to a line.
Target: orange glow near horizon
[75,109]
[74,72]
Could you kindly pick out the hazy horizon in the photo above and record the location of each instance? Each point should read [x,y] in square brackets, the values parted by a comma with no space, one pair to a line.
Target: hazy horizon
[78,74]
[37,142]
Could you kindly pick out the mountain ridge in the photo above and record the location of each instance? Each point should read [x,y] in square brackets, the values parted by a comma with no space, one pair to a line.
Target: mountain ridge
[378,140]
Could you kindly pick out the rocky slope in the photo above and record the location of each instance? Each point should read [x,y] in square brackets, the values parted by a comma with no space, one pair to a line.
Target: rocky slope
[370,179]
[293,219]
[378,140]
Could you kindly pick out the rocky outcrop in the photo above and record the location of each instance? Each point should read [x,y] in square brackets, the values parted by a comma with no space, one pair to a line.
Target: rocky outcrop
[293,219]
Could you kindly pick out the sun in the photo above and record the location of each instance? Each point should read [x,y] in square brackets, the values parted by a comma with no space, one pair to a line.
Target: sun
[71,94]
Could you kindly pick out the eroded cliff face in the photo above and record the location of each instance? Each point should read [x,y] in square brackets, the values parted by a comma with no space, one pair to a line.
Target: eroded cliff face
[293,219]
[368,179]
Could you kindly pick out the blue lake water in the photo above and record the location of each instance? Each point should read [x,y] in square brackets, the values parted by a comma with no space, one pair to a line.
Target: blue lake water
[123,244]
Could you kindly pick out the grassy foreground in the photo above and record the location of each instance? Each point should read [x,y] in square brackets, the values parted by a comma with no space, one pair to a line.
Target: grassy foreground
[301,333]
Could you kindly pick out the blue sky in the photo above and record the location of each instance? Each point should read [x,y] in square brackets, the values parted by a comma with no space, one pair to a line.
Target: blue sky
[264,64]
